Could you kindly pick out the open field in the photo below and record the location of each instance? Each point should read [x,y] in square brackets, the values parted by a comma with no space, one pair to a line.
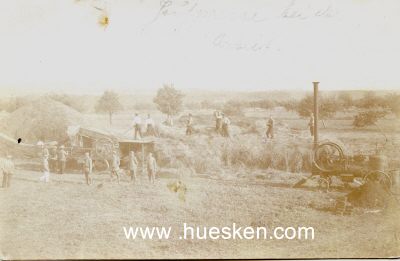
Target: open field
[69,219]
[270,128]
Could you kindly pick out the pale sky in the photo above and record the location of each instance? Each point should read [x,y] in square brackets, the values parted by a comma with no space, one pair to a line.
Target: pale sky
[50,45]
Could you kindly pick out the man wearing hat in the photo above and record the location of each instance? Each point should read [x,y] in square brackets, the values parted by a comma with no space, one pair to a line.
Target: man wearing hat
[225,126]
[44,150]
[7,167]
[53,159]
[150,131]
[87,168]
[115,165]
[218,121]
[311,124]
[136,124]
[189,125]
[151,167]
[270,128]
[133,165]
[46,169]
[62,159]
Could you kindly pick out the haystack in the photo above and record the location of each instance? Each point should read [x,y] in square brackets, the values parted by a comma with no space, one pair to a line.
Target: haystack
[42,119]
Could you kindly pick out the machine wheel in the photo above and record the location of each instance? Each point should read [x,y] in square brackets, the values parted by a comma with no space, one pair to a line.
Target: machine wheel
[103,148]
[328,157]
[381,177]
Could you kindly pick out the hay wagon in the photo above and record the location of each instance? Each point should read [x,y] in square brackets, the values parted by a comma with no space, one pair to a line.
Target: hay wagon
[101,144]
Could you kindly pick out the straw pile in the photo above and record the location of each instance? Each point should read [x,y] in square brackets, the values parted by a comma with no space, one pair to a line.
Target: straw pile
[43,119]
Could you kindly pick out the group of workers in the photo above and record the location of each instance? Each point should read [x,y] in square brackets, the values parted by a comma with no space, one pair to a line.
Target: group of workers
[270,126]
[133,164]
[55,160]
[87,166]
[137,126]
[222,123]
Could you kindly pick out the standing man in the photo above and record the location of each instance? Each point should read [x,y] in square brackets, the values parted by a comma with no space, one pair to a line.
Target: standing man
[311,124]
[7,167]
[62,159]
[87,168]
[151,168]
[53,159]
[133,164]
[270,128]
[46,169]
[45,151]
[189,125]
[218,121]
[115,165]
[225,126]
[150,126]
[136,124]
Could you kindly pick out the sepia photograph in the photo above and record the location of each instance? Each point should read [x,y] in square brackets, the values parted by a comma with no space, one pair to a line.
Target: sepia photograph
[199,129]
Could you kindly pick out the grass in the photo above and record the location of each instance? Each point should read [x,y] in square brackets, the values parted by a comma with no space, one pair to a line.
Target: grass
[248,182]
[67,219]
[207,152]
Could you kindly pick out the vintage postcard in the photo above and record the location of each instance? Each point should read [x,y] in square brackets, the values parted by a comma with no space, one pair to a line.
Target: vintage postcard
[199,129]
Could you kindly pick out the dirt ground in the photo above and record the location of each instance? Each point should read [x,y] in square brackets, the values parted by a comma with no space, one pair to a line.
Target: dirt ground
[67,219]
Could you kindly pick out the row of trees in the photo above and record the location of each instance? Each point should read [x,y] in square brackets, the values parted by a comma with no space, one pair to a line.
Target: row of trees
[168,100]
[370,107]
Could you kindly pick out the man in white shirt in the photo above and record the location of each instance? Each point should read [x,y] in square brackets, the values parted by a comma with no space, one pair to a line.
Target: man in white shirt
[8,169]
[46,169]
[150,126]
[137,122]
[225,126]
[218,121]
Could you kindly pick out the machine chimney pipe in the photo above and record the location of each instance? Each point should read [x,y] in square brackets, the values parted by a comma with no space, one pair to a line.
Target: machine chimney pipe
[315,114]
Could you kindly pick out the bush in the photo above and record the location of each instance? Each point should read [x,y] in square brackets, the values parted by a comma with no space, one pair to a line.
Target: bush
[367,118]
[328,106]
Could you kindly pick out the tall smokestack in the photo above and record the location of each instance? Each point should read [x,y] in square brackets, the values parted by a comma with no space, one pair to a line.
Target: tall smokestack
[315,114]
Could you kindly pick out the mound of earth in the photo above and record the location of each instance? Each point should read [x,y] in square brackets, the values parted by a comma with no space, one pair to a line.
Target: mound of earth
[42,119]
[370,195]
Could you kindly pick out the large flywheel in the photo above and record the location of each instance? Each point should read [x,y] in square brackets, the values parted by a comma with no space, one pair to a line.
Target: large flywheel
[329,157]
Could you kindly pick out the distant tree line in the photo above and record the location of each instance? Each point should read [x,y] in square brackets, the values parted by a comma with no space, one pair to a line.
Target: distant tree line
[369,108]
